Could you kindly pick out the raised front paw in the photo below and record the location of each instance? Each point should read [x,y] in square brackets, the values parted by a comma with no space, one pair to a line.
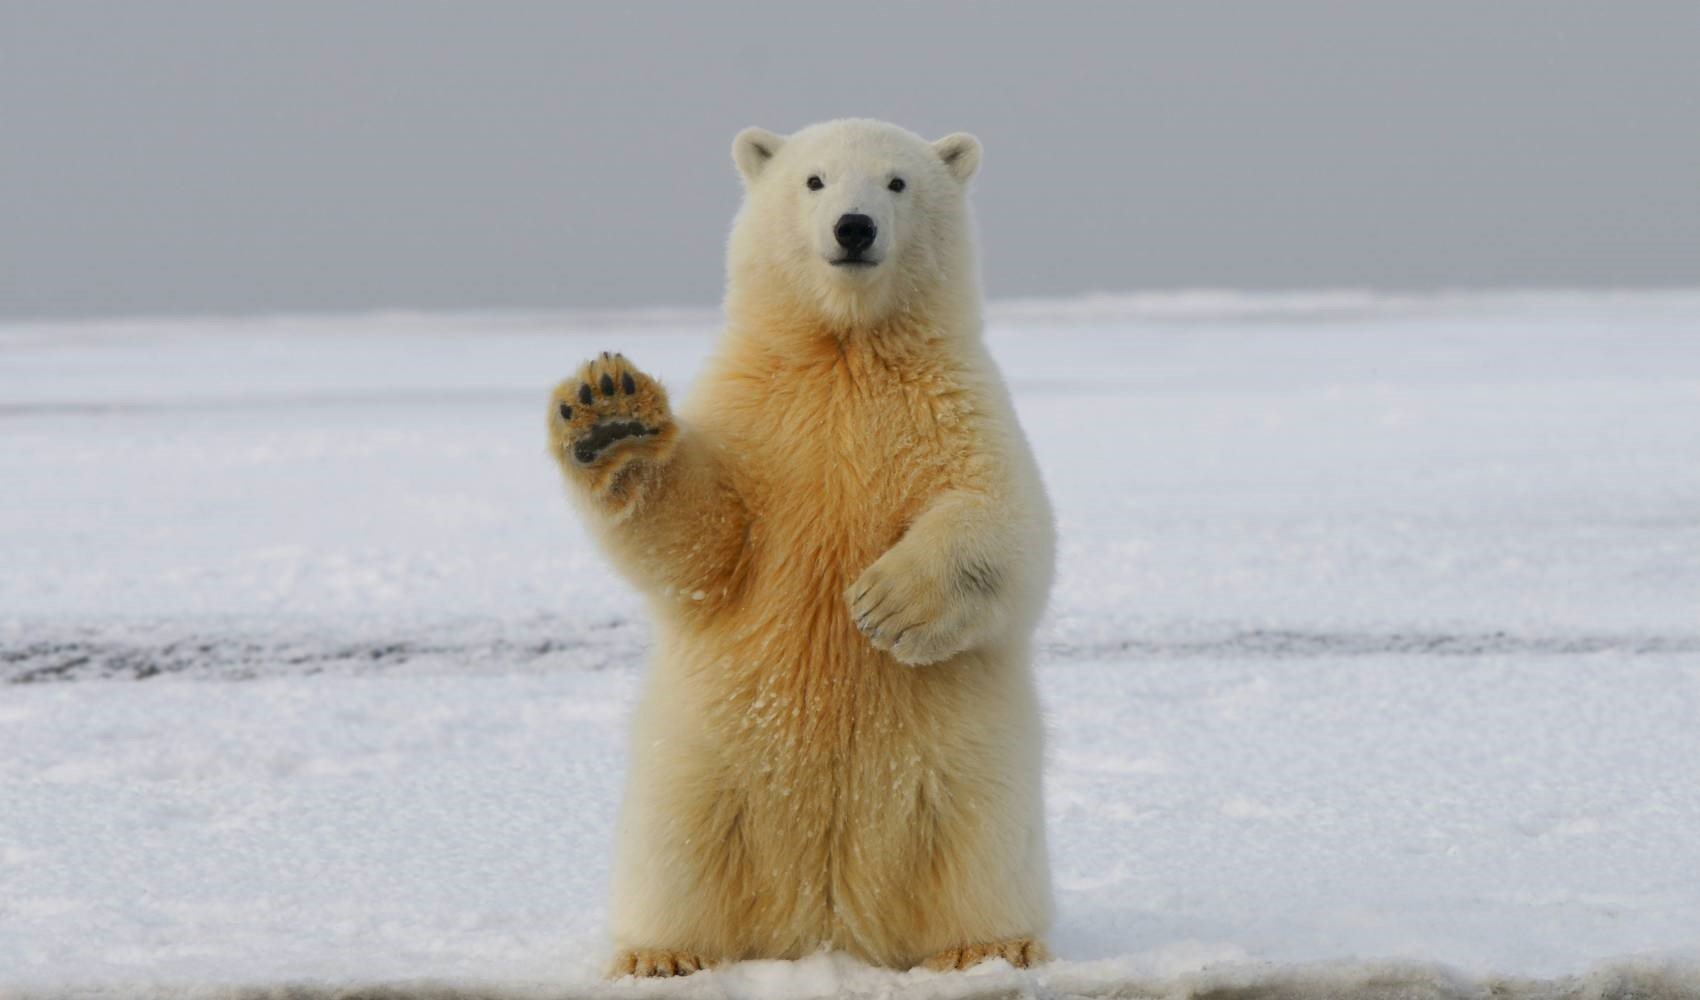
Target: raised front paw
[915,608]
[608,410]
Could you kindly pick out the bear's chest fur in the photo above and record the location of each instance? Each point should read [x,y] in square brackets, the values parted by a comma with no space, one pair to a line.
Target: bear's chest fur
[866,439]
[857,443]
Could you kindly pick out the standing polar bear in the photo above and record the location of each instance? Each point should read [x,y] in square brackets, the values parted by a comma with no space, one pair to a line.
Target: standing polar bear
[846,545]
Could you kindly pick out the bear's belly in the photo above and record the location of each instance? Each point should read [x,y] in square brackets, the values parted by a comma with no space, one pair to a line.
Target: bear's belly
[850,775]
[843,775]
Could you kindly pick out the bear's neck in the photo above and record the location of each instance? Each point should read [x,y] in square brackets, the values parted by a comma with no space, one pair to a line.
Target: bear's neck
[774,317]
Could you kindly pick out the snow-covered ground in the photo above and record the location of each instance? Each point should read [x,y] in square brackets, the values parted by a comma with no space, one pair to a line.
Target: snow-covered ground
[1376,640]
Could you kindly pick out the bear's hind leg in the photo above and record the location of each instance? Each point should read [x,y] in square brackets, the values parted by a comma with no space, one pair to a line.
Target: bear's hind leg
[682,890]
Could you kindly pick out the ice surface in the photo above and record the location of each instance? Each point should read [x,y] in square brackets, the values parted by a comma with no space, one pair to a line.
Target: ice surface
[1373,664]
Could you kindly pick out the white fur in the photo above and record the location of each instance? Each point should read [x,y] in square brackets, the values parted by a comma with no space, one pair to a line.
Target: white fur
[854,779]
[924,245]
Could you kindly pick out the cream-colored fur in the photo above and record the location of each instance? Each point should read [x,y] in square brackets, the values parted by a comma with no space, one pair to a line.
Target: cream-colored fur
[846,546]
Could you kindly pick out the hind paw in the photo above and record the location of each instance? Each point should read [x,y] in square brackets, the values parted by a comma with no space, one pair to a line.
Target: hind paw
[656,962]
[1022,953]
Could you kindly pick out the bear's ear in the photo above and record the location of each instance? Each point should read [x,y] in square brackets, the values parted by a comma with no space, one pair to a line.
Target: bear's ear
[960,153]
[752,149]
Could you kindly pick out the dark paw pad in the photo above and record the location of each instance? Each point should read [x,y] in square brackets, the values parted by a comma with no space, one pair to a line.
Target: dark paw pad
[587,448]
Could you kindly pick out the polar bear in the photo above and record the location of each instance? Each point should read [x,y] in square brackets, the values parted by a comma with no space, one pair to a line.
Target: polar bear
[846,546]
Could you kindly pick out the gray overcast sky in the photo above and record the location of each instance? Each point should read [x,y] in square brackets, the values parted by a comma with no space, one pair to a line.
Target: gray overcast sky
[187,158]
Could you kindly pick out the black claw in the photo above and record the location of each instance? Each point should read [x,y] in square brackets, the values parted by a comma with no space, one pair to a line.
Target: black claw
[604,355]
[607,384]
[584,395]
[566,412]
[628,383]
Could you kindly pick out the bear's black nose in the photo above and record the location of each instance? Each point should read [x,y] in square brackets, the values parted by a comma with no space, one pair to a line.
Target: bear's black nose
[855,233]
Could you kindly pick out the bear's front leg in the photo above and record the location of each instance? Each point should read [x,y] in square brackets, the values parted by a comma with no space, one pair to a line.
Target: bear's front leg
[658,495]
[939,590]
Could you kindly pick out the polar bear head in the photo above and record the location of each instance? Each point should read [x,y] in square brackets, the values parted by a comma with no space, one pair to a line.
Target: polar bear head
[851,223]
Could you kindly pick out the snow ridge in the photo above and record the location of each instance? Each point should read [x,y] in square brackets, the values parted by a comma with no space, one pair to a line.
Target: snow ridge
[826,976]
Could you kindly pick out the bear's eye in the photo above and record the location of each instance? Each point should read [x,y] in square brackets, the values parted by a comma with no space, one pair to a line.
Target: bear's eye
[815,183]
[896,184]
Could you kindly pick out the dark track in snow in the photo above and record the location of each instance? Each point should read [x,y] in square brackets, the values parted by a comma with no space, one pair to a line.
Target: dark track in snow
[63,654]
